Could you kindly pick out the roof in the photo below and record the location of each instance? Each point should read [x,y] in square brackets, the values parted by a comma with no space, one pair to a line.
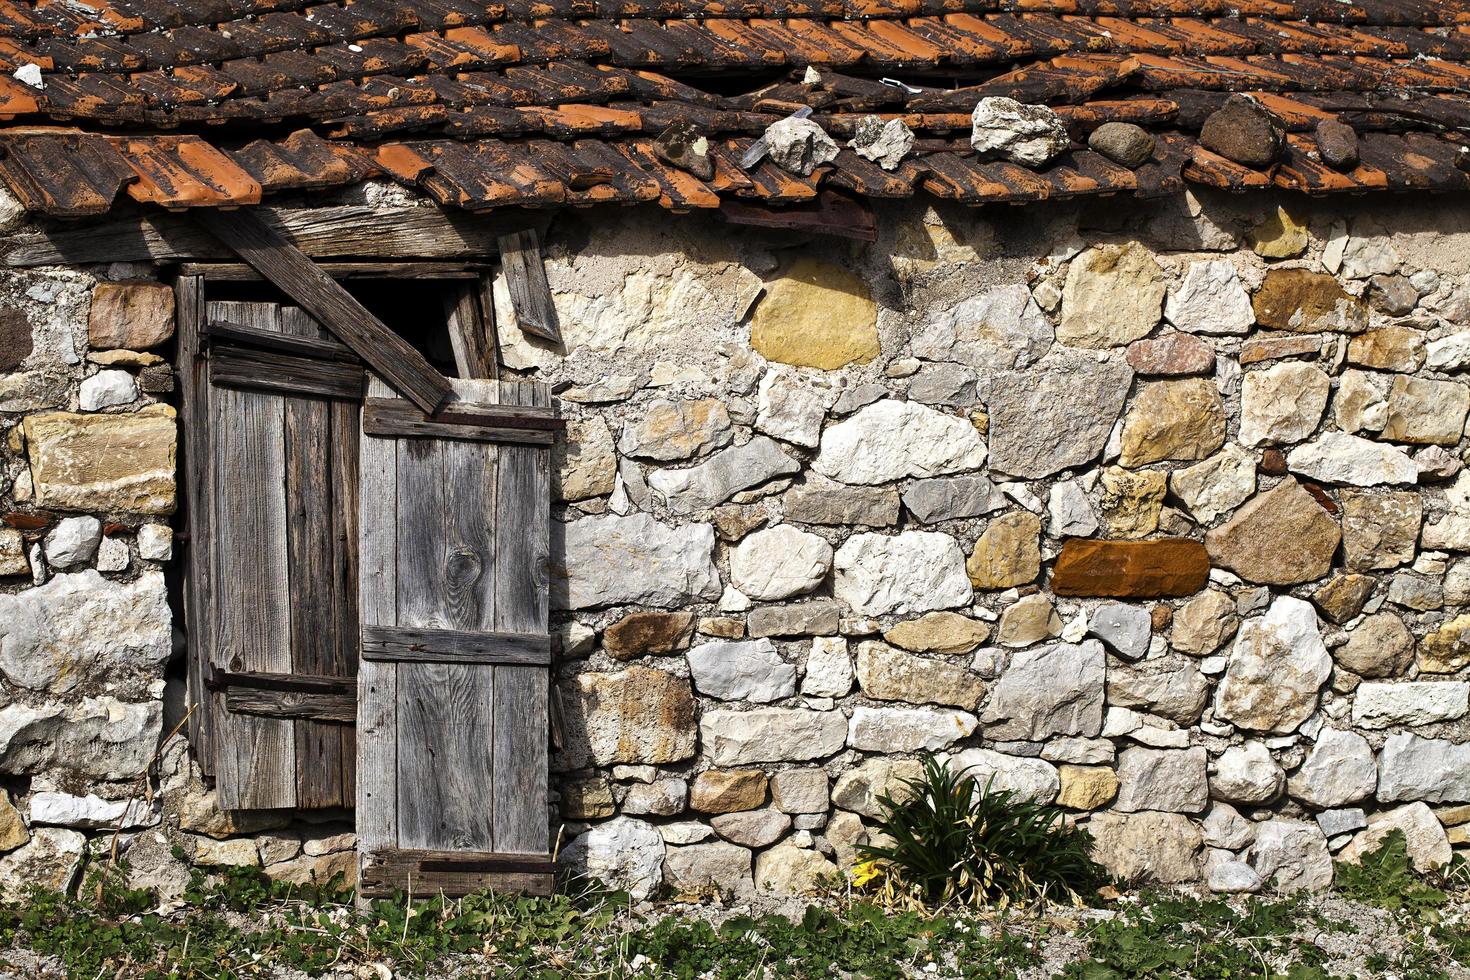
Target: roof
[184,103]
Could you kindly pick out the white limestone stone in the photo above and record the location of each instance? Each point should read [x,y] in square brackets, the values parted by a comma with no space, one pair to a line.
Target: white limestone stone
[1337,457]
[1210,300]
[909,572]
[779,562]
[889,440]
[737,670]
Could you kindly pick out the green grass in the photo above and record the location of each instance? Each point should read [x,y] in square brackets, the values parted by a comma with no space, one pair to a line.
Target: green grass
[241,925]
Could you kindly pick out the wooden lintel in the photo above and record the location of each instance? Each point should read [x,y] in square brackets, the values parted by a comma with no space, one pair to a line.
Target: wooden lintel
[240,272]
[416,644]
[321,296]
[328,232]
[525,279]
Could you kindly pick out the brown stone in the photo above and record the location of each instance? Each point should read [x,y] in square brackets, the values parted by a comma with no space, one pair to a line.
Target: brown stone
[157,379]
[1280,537]
[1307,302]
[1173,420]
[1388,349]
[734,521]
[1131,500]
[635,716]
[1086,787]
[1337,144]
[724,627]
[1172,354]
[133,315]
[1275,348]
[727,790]
[13,831]
[15,339]
[816,315]
[939,632]
[92,462]
[1379,530]
[1163,567]
[1273,463]
[1008,553]
[1394,295]
[1244,131]
[1160,617]
[648,632]
[587,799]
[1344,596]
[1447,649]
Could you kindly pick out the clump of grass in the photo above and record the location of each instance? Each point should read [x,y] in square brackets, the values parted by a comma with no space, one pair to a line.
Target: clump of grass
[952,840]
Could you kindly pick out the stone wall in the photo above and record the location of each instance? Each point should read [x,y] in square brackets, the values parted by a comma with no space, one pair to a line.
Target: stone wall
[1152,509]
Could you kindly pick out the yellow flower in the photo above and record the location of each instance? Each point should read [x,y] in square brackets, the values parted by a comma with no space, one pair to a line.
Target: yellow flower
[865,872]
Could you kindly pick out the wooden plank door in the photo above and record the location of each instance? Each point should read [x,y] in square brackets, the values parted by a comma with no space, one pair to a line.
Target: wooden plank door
[453,687]
[282,402]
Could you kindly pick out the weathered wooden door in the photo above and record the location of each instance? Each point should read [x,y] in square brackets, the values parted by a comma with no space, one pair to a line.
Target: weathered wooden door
[274,532]
[452,694]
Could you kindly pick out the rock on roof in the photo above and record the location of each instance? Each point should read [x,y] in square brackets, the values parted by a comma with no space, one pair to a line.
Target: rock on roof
[185,103]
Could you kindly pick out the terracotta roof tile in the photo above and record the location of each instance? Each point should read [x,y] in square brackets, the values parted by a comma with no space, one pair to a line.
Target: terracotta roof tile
[484,103]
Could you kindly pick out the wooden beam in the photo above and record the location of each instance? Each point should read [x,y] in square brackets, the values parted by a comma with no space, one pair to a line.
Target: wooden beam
[293,705]
[525,277]
[240,272]
[244,369]
[420,645]
[330,232]
[396,417]
[264,248]
[454,873]
[240,336]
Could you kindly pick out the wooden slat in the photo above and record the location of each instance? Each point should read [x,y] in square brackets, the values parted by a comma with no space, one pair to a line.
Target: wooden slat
[470,413]
[402,643]
[523,524]
[377,691]
[474,355]
[255,757]
[336,309]
[445,756]
[195,518]
[321,232]
[309,502]
[525,278]
[313,714]
[376,424]
[430,859]
[283,374]
[261,680]
[345,423]
[322,349]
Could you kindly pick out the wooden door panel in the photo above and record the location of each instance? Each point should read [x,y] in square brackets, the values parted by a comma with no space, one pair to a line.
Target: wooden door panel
[454,684]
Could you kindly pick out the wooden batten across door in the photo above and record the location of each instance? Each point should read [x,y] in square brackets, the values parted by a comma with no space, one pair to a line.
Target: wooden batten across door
[454,681]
